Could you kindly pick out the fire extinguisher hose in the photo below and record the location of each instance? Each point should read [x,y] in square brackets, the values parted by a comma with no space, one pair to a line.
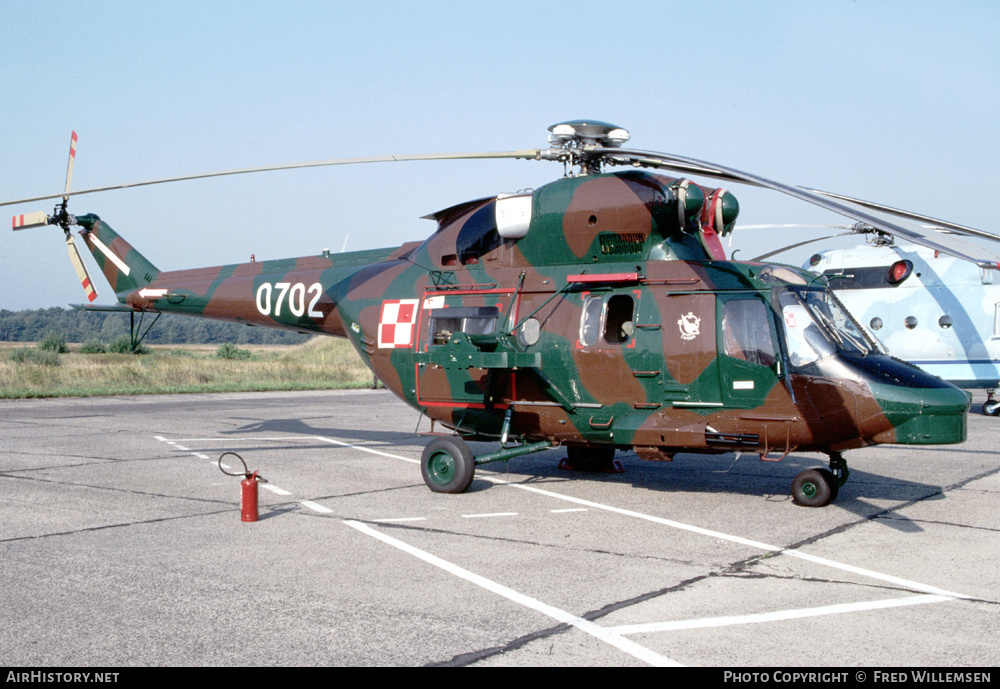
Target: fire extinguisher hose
[246,472]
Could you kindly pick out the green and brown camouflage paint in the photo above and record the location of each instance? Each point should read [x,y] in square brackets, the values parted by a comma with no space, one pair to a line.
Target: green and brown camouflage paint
[467,325]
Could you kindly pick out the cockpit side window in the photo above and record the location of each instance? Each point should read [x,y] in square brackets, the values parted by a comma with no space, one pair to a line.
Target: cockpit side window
[746,332]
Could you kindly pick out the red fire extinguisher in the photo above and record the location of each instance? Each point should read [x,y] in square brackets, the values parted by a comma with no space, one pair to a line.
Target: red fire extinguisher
[248,488]
[248,498]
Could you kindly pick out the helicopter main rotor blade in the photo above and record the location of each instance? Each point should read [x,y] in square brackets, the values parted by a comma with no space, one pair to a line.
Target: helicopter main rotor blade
[526,154]
[681,163]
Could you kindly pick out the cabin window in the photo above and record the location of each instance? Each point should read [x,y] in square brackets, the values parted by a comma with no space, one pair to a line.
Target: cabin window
[610,320]
[590,321]
[474,320]
[618,320]
[477,237]
[746,332]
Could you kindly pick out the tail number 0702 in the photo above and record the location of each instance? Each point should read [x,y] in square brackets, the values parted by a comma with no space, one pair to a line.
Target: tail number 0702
[269,296]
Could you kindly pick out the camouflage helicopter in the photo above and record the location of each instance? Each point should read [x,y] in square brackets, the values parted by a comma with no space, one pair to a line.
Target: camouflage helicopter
[597,312]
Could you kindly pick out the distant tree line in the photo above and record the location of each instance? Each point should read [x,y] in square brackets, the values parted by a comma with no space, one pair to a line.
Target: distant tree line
[33,325]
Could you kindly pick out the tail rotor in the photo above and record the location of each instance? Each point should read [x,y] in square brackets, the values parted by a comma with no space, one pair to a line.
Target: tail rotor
[65,220]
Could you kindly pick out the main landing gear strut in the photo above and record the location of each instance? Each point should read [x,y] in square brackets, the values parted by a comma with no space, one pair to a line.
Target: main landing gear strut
[819,487]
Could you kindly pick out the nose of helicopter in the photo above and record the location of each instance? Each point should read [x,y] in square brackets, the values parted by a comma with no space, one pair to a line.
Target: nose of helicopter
[921,409]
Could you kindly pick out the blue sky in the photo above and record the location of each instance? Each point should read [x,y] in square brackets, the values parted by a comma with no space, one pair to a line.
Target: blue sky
[885,100]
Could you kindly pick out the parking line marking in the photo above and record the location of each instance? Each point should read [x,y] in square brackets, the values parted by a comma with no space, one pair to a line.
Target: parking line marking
[494,514]
[779,550]
[916,586]
[610,637]
[365,449]
[776,616]
[401,519]
[275,489]
[569,509]
[316,507]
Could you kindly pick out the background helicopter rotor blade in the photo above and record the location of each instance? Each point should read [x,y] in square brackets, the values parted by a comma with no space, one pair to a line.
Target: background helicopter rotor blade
[525,154]
[798,244]
[680,163]
[932,223]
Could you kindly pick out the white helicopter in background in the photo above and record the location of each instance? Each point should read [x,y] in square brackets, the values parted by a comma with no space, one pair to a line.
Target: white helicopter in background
[927,304]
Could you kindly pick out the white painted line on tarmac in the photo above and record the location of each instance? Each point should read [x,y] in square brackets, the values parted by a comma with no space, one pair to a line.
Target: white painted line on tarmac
[899,581]
[492,514]
[617,640]
[569,509]
[391,520]
[274,489]
[315,507]
[777,616]
[366,449]
[916,586]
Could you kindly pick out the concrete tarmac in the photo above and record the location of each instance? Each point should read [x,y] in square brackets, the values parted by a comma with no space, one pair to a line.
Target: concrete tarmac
[121,545]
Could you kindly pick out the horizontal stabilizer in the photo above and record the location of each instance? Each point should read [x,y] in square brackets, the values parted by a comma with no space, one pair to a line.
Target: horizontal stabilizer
[28,220]
[114,308]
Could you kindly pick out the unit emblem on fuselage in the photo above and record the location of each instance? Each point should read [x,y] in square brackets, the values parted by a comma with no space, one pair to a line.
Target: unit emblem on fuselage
[689,325]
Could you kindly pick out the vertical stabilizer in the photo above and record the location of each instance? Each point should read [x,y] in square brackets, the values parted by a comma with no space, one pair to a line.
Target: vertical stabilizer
[124,267]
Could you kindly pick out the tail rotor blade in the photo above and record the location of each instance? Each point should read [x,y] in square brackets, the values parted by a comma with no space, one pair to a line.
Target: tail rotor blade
[81,269]
[29,220]
[69,166]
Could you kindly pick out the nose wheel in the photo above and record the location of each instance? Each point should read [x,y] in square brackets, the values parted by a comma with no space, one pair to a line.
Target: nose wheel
[991,407]
[819,487]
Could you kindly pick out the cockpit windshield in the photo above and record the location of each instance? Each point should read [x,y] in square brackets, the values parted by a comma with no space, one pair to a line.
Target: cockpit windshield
[816,326]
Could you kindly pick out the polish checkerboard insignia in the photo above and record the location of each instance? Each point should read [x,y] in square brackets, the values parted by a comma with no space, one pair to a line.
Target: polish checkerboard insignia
[395,323]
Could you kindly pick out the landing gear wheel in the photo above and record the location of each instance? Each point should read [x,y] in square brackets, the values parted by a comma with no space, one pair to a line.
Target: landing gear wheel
[991,407]
[814,488]
[447,465]
[590,458]
[833,482]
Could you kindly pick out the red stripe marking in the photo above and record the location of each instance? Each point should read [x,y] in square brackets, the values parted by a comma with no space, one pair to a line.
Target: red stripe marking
[604,277]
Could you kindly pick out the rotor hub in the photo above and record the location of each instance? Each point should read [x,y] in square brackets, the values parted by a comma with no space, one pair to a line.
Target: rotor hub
[577,142]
